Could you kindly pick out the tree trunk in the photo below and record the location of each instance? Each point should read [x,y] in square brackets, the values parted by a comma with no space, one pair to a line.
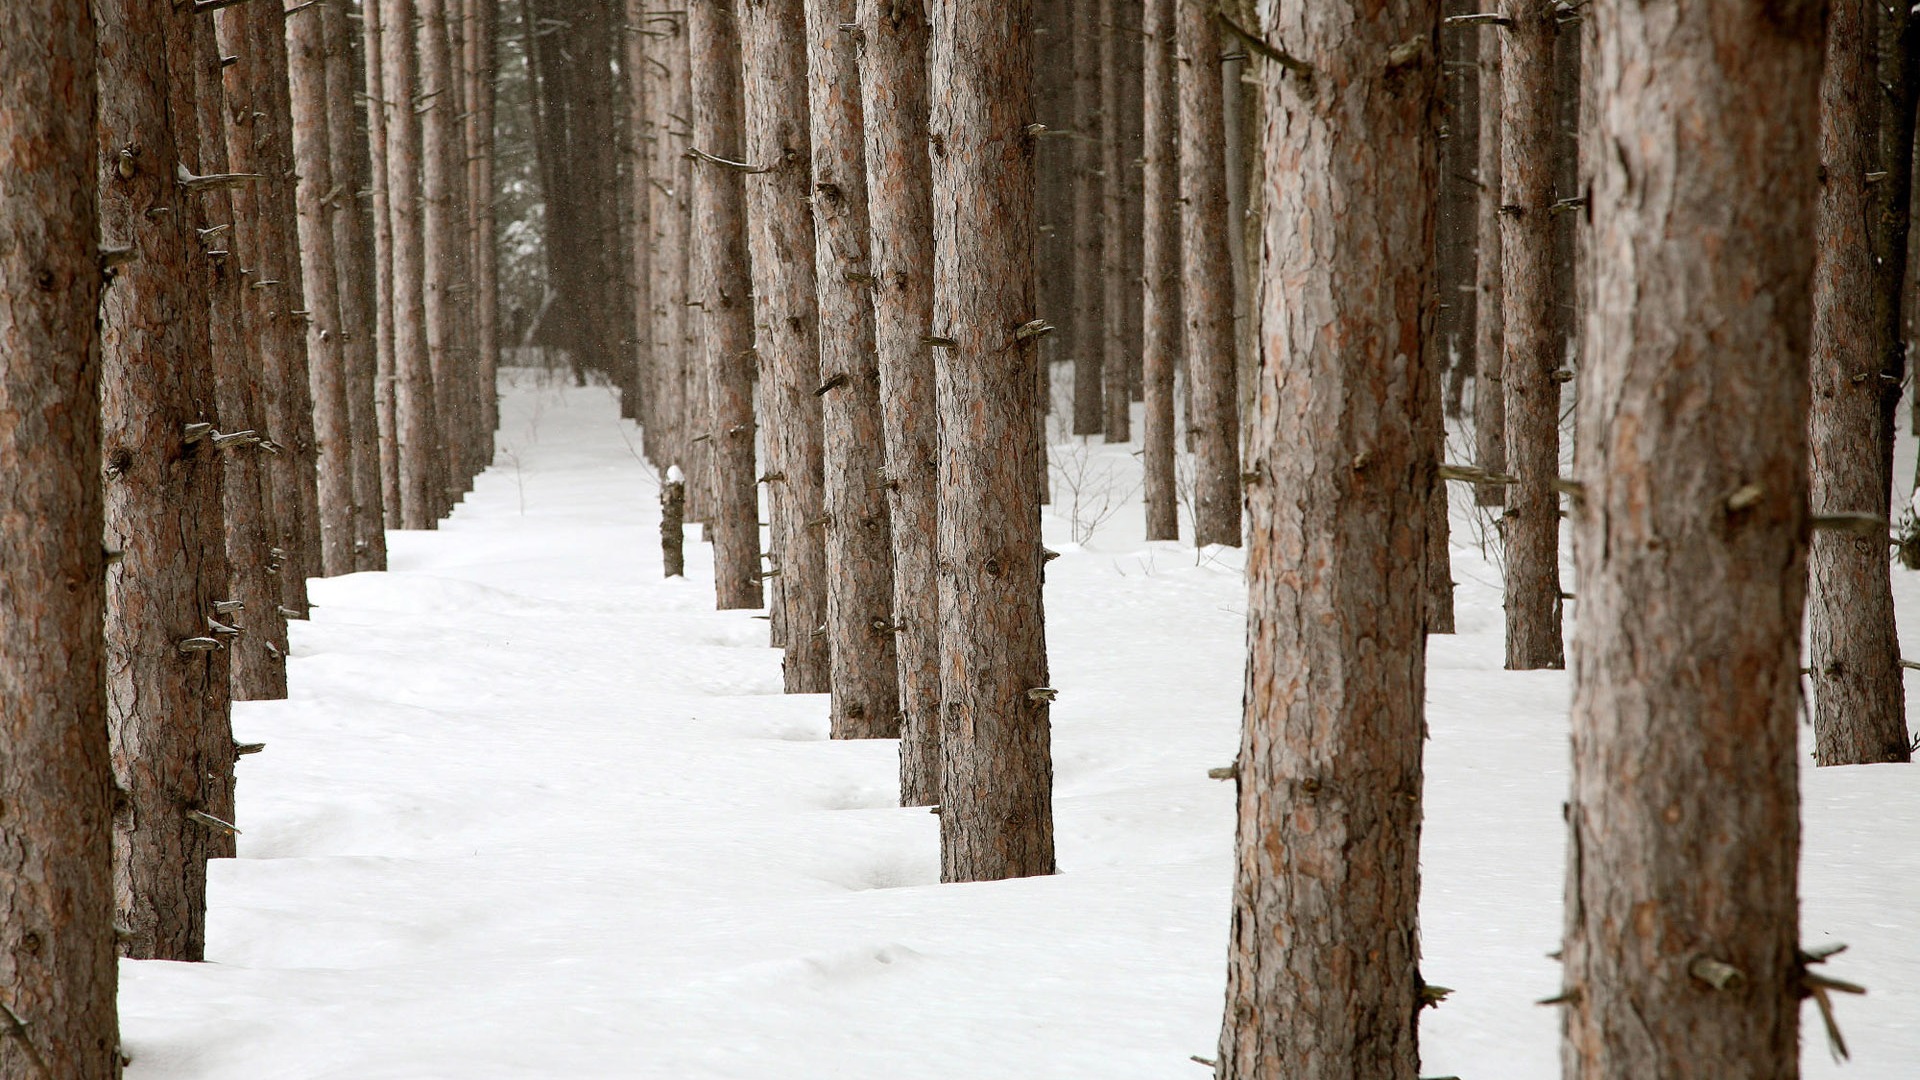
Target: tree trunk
[1533,332]
[422,468]
[674,240]
[1130,17]
[780,229]
[996,814]
[641,135]
[1086,337]
[1207,280]
[385,287]
[1859,701]
[865,677]
[326,363]
[260,141]
[1161,311]
[1116,353]
[1489,388]
[1898,31]
[482,51]
[1689,546]
[1459,200]
[442,239]
[1322,977]
[721,283]
[56,885]
[900,212]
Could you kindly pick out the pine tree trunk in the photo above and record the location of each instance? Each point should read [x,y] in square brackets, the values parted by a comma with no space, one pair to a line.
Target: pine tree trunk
[326,364]
[257,663]
[641,133]
[1898,31]
[259,141]
[422,468]
[996,814]
[1086,337]
[1692,461]
[672,238]
[1161,311]
[1859,701]
[900,213]
[1489,388]
[865,677]
[482,53]
[56,887]
[441,241]
[1322,977]
[1207,280]
[1459,200]
[1535,343]
[385,287]
[780,235]
[354,262]
[721,283]
[1116,353]
[165,704]
[1130,17]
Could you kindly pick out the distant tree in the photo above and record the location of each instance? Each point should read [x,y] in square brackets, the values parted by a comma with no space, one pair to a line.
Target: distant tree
[481,70]
[636,384]
[900,213]
[1489,387]
[996,815]
[385,287]
[443,240]
[1689,529]
[1086,337]
[1162,315]
[1322,975]
[56,891]
[1119,34]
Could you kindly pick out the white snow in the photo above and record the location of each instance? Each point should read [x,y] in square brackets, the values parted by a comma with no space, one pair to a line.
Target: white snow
[534,812]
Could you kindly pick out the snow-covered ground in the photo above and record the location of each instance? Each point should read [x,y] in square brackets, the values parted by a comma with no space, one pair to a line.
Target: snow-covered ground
[533,811]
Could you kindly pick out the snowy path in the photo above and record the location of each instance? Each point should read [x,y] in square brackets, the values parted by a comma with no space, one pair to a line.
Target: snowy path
[534,812]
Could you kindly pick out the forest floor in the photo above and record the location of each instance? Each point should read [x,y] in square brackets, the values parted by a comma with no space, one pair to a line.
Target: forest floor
[534,812]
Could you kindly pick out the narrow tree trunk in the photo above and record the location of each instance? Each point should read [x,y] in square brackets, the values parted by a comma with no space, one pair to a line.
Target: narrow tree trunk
[1129,18]
[441,241]
[996,814]
[900,213]
[1160,283]
[1086,332]
[721,283]
[1322,976]
[865,680]
[422,468]
[780,227]
[1489,388]
[675,241]
[1859,701]
[482,53]
[1689,545]
[1207,280]
[1116,354]
[385,287]
[1898,31]
[1459,200]
[56,926]
[326,363]
[641,133]
[1535,343]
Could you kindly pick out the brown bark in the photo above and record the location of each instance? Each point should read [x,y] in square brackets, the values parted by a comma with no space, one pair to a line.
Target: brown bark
[354,263]
[416,427]
[1322,977]
[326,363]
[260,140]
[1160,281]
[1897,30]
[1459,200]
[56,927]
[780,235]
[1689,544]
[865,681]
[482,50]
[721,282]
[1206,267]
[674,240]
[442,242]
[1489,388]
[1117,353]
[1859,701]
[257,658]
[1129,18]
[641,134]
[1086,337]
[900,213]
[384,287]
[1534,337]
[996,814]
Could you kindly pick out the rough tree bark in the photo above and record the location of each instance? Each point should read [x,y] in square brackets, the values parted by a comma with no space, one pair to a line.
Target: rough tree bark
[1489,340]
[416,427]
[1161,311]
[900,213]
[56,884]
[1322,977]
[1534,337]
[866,683]
[384,286]
[482,53]
[996,814]
[1859,700]
[443,240]
[780,235]
[326,362]
[1117,352]
[1206,269]
[636,387]
[1086,337]
[1689,542]
[721,282]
